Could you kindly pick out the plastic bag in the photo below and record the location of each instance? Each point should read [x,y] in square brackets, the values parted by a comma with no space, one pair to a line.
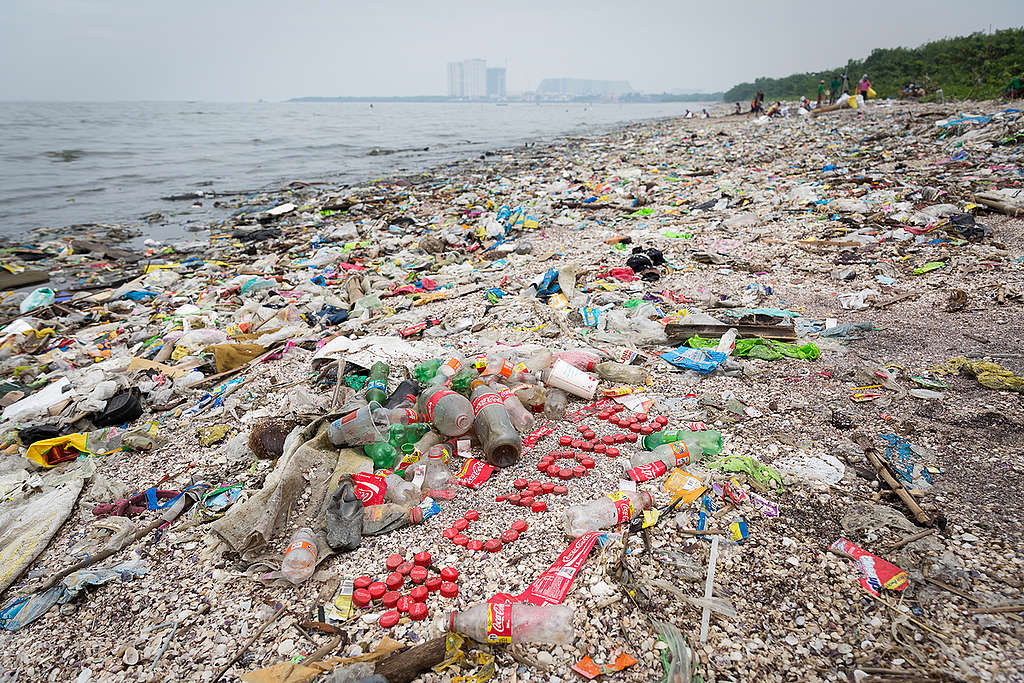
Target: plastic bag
[44,296]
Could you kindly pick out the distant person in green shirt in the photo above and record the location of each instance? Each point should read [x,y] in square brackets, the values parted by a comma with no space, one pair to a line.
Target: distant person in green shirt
[821,91]
[1015,89]
[836,83]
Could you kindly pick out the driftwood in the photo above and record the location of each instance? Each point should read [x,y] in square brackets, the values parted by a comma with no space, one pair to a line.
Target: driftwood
[897,486]
[1001,203]
[683,331]
[406,665]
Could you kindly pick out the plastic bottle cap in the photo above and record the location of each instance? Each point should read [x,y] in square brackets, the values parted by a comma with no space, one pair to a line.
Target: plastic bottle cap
[460,539]
[589,436]
[418,574]
[646,429]
[577,443]
[588,462]
[600,448]
[582,428]
[618,408]
[526,501]
[394,580]
[620,438]
[449,533]
[631,438]
[607,440]
[460,525]
[635,427]
[520,524]
[536,483]
[361,597]
[422,559]
[432,584]
[377,589]
[612,452]
[405,568]
[475,544]
[539,506]
[553,470]
[393,561]
[404,603]
[449,590]
[662,420]
[502,497]
[492,546]
[418,611]
[389,618]
[543,464]
[588,446]
[565,474]
[390,599]
[509,536]
[419,593]
[604,415]
[362,582]
[564,440]
[580,470]
[450,574]
[561,491]
[472,515]
[547,487]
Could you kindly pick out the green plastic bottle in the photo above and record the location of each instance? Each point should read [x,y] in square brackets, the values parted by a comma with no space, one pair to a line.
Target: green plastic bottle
[462,380]
[377,384]
[710,441]
[382,453]
[426,370]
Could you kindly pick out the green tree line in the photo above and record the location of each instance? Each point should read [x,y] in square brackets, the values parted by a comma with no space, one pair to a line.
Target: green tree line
[977,66]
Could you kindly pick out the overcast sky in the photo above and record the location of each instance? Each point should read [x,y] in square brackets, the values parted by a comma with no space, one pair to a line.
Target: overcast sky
[276,49]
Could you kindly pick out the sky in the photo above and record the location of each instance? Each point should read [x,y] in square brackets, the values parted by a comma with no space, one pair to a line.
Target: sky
[246,50]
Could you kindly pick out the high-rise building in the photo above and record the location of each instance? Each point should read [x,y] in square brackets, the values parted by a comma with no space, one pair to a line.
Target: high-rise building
[496,82]
[455,80]
[474,78]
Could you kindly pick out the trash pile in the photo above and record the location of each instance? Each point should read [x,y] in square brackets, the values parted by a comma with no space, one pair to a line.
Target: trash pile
[693,400]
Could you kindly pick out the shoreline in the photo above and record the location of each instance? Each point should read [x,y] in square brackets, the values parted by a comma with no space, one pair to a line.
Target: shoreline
[779,231]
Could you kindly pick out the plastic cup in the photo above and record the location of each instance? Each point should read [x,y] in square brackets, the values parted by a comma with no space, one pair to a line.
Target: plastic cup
[361,427]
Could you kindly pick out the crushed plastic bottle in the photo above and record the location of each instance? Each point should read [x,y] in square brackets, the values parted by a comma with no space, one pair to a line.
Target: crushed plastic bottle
[606,511]
[300,557]
[619,372]
[505,623]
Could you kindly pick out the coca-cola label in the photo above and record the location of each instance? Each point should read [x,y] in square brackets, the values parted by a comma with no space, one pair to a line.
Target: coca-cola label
[696,426]
[473,473]
[648,471]
[499,622]
[680,452]
[536,435]
[625,355]
[432,401]
[369,488]
[344,419]
[734,491]
[412,415]
[484,400]
[623,507]
[504,394]
[551,587]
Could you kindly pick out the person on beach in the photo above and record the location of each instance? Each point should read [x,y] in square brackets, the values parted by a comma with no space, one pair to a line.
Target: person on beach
[834,93]
[864,86]
[844,85]
[704,114]
[1014,89]
[739,110]
[821,91]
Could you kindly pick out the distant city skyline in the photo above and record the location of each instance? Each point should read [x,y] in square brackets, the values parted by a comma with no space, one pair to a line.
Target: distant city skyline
[474,80]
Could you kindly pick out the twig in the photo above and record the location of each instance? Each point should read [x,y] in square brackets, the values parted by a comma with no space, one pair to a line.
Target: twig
[909,618]
[883,472]
[910,539]
[248,644]
[167,644]
[327,649]
[998,609]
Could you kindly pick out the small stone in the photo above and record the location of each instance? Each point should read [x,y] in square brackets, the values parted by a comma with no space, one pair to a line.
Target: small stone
[285,647]
[545,659]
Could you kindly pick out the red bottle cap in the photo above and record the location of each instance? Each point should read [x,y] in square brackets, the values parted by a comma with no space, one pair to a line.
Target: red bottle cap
[599,448]
[498,499]
[492,546]
[361,597]
[588,446]
[475,544]
[520,524]
[635,427]
[390,599]
[577,443]
[526,501]
[514,499]
[561,491]
[404,603]
[580,470]
[362,582]
[589,436]
[553,470]
[582,428]
[618,408]
[612,452]
[418,574]
[450,574]
[565,474]
[460,525]
[641,417]
[620,438]
[471,515]
[394,580]
[389,618]
[646,429]
[419,593]
[418,611]
[607,440]
[393,561]
[509,536]
[461,539]
[631,438]
[604,415]
[449,590]
[588,462]
[422,559]
[662,420]
[377,589]
[405,568]
[432,584]
[543,464]
[539,506]
[564,440]
[449,533]
[535,483]
[547,487]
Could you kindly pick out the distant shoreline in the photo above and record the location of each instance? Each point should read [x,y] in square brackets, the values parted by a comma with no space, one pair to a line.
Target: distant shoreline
[706,98]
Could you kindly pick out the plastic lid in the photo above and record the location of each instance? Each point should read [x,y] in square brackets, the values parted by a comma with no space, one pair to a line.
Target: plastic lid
[416,515]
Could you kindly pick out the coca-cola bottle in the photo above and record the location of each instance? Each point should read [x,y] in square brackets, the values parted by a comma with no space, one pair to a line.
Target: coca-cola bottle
[503,623]
[620,372]
[500,441]
[449,411]
[606,511]
[521,418]
[688,448]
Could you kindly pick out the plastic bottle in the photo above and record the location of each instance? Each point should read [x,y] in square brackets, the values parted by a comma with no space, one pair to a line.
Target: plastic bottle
[403,416]
[499,439]
[619,372]
[652,441]
[401,491]
[682,452]
[44,296]
[450,412]
[428,440]
[501,623]
[567,377]
[583,360]
[300,557]
[728,342]
[405,394]
[532,396]
[451,366]
[606,511]
[539,360]
[435,472]
[555,401]
[426,371]
[497,365]
[376,388]
[517,413]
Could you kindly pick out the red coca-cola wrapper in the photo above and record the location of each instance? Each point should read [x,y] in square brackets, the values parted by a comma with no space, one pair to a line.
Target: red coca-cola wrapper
[369,487]
[551,587]
[536,435]
[473,473]
[648,471]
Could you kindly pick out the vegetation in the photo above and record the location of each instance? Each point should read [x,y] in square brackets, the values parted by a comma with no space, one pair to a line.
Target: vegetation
[977,66]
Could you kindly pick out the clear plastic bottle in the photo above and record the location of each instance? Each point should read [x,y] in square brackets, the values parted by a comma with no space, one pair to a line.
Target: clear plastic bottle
[728,342]
[403,415]
[501,623]
[401,491]
[521,418]
[449,411]
[450,366]
[532,396]
[555,401]
[688,448]
[606,511]
[427,441]
[579,358]
[620,372]
[499,439]
[300,557]
[435,472]
[538,360]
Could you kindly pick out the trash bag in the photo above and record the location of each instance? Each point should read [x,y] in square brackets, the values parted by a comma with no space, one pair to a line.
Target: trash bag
[343,517]
[120,409]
